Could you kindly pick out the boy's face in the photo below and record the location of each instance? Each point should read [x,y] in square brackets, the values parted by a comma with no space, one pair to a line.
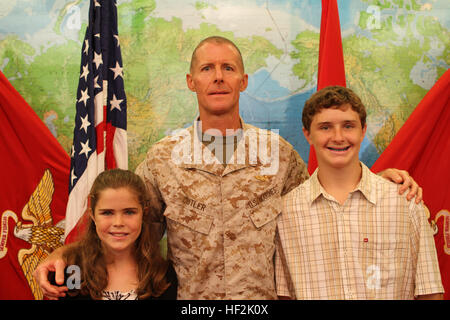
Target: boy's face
[336,135]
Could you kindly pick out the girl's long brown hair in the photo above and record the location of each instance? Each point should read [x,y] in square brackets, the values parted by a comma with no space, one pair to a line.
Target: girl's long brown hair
[88,253]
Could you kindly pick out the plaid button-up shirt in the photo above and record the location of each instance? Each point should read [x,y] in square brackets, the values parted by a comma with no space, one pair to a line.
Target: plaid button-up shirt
[377,245]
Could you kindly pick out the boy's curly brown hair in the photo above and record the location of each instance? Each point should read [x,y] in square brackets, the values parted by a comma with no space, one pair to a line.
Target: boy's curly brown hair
[332,97]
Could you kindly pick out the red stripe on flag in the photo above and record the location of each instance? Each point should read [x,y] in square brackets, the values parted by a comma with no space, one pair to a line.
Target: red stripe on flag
[110,159]
[100,132]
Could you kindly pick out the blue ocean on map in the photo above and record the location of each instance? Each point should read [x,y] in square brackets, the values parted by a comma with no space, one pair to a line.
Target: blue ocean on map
[37,17]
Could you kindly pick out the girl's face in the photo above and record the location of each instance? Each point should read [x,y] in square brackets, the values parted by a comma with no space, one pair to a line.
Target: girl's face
[118,219]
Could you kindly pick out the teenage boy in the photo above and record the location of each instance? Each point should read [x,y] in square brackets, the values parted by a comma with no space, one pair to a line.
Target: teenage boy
[346,233]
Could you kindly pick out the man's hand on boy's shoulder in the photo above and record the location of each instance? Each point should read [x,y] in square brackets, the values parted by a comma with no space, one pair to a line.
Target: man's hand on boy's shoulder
[407,182]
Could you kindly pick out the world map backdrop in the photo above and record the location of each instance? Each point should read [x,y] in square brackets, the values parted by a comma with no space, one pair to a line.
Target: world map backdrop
[394,52]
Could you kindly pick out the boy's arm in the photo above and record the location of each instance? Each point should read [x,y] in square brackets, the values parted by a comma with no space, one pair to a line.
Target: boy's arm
[283,282]
[54,262]
[428,282]
[435,296]
[407,182]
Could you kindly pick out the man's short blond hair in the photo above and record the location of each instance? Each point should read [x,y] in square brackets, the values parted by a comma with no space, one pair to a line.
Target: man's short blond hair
[216,40]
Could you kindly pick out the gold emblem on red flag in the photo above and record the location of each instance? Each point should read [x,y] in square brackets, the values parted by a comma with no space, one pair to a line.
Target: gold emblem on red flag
[43,236]
[446,231]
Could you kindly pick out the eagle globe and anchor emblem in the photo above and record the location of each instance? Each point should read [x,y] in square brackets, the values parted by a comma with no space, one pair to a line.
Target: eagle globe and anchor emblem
[43,236]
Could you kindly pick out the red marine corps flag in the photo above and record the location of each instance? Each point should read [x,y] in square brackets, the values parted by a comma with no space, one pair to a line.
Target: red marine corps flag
[422,147]
[331,58]
[34,175]
[99,137]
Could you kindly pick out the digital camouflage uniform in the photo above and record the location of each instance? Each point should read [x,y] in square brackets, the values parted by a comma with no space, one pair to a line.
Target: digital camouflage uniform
[221,221]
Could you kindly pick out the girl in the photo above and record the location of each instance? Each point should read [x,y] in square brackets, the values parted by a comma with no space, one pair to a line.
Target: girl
[119,255]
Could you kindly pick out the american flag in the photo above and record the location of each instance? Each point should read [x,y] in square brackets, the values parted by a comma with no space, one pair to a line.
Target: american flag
[99,137]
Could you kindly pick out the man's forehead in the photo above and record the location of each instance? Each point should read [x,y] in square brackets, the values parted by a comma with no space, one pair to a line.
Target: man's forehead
[216,44]
[210,52]
[213,49]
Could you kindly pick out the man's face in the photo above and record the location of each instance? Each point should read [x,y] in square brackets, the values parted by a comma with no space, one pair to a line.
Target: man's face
[217,77]
[336,135]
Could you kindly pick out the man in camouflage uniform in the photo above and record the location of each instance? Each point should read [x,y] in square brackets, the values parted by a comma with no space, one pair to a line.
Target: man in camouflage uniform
[221,214]
[220,209]
[221,220]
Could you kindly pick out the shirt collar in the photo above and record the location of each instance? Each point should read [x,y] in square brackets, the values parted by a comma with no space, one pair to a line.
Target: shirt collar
[215,166]
[316,188]
[366,183]
[364,186]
